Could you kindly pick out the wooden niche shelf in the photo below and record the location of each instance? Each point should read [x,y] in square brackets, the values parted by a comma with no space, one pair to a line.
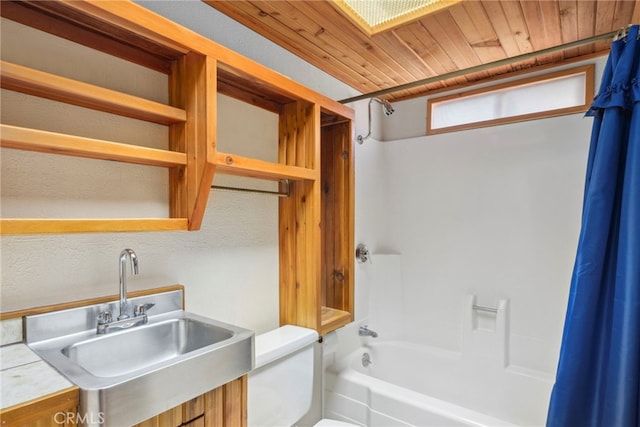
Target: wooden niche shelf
[315,153]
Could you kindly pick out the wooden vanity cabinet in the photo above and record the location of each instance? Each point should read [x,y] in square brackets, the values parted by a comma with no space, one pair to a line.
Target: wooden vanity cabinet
[226,406]
[315,151]
[58,409]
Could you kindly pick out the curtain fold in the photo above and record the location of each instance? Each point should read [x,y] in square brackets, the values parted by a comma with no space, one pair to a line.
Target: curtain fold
[598,378]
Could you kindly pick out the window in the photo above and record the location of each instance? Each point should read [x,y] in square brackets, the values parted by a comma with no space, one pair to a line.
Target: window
[553,94]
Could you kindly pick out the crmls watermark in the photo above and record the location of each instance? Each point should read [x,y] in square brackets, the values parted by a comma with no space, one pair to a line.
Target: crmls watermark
[77,418]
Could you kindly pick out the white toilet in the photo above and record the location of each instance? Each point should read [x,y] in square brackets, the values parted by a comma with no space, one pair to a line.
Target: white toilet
[281,384]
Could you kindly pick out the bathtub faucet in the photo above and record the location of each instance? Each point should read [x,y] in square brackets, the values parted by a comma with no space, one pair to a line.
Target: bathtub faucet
[364,331]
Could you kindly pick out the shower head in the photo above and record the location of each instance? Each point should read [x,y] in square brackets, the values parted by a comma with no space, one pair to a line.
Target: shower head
[386,106]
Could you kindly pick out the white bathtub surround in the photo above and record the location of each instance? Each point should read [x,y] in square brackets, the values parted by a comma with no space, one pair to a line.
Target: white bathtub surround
[412,384]
[485,333]
[24,376]
[386,297]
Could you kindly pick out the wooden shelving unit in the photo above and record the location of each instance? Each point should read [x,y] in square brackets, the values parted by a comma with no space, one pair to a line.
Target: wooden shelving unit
[315,152]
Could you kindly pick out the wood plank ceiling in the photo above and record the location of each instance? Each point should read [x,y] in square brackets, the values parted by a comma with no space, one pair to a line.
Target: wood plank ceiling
[465,35]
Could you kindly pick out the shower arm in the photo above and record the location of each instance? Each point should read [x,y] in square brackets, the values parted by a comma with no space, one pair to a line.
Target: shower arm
[388,110]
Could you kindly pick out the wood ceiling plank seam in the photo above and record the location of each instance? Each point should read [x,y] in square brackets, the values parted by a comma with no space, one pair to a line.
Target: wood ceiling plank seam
[535,22]
[535,25]
[287,16]
[405,57]
[411,94]
[418,47]
[366,80]
[385,44]
[474,23]
[489,53]
[552,26]
[604,22]
[635,16]
[586,18]
[436,50]
[506,35]
[328,33]
[442,63]
[246,14]
[367,51]
[251,16]
[623,10]
[415,56]
[379,42]
[568,11]
[283,38]
[515,17]
[452,40]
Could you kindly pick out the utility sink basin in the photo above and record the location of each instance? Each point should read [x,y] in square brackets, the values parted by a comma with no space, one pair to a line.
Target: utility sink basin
[143,346]
[127,376]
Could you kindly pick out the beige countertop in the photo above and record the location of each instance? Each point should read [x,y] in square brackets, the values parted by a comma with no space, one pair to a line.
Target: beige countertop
[24,376]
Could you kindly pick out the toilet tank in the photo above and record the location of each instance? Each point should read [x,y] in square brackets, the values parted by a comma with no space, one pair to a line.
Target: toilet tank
[281,384]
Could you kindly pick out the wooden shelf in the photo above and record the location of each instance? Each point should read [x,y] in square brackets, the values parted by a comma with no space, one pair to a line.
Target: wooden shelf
[83,225]
[331,319]
[58,143]
[232,164]
[38,83]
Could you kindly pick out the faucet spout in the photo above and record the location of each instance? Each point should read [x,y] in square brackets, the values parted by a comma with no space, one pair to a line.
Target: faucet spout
[364,331]
[126,253]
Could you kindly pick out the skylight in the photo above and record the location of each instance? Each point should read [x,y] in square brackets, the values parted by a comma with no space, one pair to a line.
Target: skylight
[375,16]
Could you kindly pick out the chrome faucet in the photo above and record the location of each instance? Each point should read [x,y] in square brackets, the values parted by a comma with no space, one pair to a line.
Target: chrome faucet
[123,279]
[366,360]
[364,331]
[105,319]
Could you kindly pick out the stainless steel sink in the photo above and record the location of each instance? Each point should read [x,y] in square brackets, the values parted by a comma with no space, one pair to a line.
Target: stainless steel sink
[144,346]
[130,375]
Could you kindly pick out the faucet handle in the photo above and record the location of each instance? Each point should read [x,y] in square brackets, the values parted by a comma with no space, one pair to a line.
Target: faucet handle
[140,309]
[104,317]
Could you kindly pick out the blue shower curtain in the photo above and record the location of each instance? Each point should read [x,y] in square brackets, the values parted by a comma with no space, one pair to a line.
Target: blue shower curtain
[598,379]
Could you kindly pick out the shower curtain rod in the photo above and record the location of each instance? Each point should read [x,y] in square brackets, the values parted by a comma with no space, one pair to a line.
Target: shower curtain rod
[483,67]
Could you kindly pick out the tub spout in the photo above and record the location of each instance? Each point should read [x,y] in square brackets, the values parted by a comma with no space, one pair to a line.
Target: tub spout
[364,331]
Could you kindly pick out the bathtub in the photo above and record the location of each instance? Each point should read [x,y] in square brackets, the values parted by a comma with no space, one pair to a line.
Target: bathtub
[413,385]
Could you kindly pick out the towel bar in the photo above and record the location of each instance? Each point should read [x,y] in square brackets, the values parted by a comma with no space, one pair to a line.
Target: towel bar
[483,308]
